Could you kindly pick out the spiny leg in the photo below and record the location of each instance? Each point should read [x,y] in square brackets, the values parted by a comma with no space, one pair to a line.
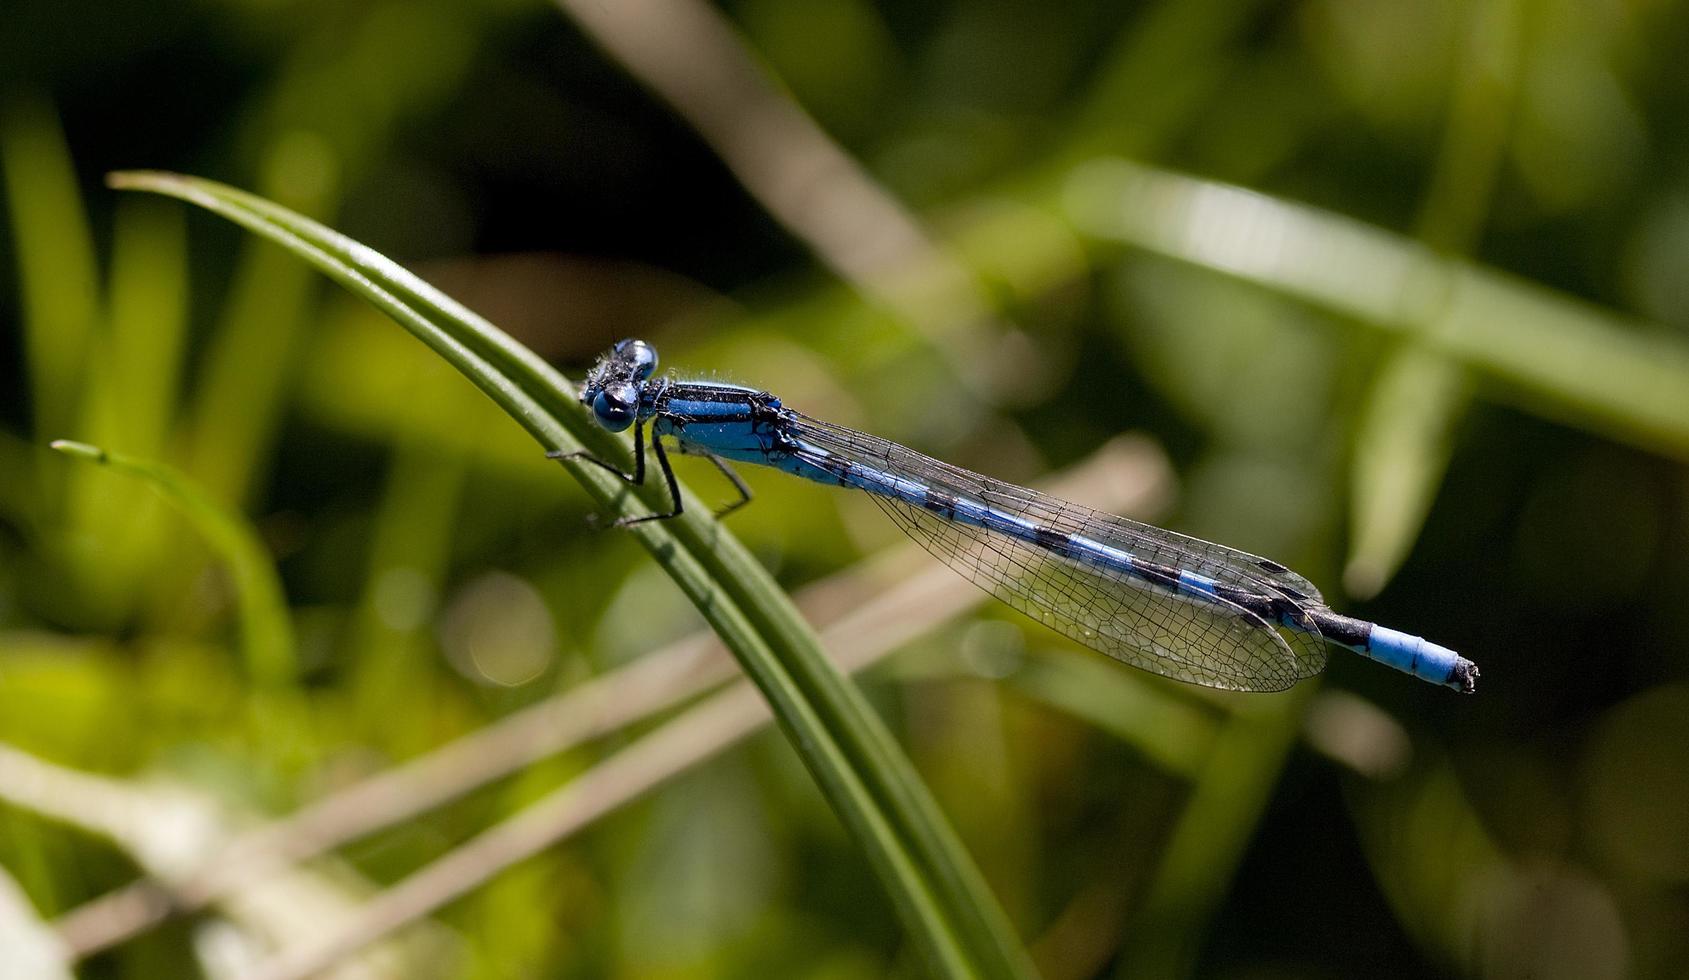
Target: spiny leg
[738,484]
[637,477]
[668,475]
[691,449]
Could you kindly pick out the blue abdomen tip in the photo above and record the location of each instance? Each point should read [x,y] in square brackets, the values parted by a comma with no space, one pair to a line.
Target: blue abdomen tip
[1422,658]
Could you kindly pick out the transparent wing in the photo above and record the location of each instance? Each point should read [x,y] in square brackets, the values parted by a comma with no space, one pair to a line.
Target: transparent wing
[1216,561]
[1209,640]
[1213,643]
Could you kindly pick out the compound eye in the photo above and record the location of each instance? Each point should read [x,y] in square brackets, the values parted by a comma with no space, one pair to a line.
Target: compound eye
[615,406]
[641,356]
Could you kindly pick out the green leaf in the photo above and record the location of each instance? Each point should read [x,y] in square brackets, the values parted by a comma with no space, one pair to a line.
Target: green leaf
[148,321]
[1557,355]
[266,630]
[939,893]
[1227,800]
[1401,452]
[55,249]
[1172,732]
[249,362]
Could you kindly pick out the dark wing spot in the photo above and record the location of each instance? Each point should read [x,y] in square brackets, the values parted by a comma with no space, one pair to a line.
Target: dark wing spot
[1271,566]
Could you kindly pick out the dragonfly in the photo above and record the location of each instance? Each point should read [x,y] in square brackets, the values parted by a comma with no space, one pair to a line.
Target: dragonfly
[1174,605]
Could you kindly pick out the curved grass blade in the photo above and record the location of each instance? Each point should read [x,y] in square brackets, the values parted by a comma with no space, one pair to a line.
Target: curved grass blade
[868,781]
[1559,356]
[266,631]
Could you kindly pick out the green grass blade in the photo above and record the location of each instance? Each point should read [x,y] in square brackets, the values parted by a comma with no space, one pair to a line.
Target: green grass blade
[1405,440]
[1201,856]
[59,284]
[239,392]
[148,321]
[1559,356]
[266,630]
[1174,733]
[939,893]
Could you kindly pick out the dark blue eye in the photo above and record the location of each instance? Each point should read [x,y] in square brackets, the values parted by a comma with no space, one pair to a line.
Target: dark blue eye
[615,406]
[642,357]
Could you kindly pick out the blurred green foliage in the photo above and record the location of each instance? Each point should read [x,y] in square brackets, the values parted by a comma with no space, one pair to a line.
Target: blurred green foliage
[1400,287]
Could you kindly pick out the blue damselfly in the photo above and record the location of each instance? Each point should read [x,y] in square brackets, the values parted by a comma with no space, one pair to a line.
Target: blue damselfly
[1171,604]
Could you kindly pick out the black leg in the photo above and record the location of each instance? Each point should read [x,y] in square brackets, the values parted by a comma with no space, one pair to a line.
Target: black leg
[738,484]
[668,475]
[637,477]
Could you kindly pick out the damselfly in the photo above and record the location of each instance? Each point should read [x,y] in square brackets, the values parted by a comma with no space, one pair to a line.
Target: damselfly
[1171,604]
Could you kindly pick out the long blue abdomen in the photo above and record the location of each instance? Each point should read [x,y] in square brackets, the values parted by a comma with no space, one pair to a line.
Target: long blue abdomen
[728,426]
